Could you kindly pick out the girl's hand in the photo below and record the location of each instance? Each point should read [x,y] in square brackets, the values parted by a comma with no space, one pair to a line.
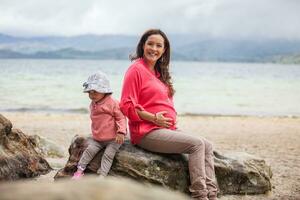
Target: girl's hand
[162,121]
[120,138]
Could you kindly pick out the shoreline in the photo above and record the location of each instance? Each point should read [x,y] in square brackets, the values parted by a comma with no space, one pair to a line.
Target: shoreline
[186,114]
[236,115]
[274,139]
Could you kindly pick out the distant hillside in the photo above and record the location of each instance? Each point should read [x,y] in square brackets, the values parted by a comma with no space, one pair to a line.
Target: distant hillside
[82,42]
[4,53]
[288,59]
[184,47]
[69,53]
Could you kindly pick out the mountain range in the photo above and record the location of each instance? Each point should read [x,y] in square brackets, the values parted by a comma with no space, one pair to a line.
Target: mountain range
[184,47]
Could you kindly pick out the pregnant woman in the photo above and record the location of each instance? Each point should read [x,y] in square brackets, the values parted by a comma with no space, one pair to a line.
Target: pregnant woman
[147,101]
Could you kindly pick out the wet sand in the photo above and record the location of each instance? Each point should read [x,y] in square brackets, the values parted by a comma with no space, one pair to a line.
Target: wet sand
[275,139]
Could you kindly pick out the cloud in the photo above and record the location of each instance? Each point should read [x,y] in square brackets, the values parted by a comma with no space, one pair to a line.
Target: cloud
[218,18]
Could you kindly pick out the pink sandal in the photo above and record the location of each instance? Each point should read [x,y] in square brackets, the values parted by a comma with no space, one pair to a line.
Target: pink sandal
[77,175]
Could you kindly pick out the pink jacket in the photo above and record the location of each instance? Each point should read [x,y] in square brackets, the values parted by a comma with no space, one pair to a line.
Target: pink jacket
[143,90]
[107,119]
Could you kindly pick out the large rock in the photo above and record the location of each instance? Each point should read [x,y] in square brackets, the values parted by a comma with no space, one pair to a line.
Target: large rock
[242,173]
[18,159]
[238,173]
[87,189]
[5,125]
[46,147]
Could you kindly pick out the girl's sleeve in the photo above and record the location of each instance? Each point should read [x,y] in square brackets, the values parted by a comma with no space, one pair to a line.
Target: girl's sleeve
[130,93]
[120,120]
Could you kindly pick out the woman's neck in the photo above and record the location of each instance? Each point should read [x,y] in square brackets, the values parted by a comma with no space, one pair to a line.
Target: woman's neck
[150,65]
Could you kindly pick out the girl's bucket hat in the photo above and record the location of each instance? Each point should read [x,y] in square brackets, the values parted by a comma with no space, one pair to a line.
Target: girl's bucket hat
[98,82]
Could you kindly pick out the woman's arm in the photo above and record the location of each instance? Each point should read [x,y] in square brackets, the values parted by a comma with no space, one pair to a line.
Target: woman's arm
[129,101]
[130,92]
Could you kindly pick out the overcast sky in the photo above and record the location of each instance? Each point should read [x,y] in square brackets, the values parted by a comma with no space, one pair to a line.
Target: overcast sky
[217,18]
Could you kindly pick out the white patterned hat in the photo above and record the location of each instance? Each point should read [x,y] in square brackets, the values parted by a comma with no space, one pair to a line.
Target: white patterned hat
[98,82]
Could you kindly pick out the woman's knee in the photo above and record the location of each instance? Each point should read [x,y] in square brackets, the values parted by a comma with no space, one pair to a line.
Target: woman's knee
[198,144]
[208,146]
[202,144]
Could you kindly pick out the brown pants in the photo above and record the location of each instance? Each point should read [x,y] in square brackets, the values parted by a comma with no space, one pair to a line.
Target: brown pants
[111,148]
[200,151]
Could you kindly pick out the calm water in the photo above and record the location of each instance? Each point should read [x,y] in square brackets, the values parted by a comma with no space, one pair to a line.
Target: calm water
[201,88]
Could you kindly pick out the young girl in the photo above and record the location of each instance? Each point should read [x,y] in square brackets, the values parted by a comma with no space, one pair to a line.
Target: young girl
[108,125]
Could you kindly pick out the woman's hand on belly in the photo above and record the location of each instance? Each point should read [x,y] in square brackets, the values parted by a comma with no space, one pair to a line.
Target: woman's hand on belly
[161,120]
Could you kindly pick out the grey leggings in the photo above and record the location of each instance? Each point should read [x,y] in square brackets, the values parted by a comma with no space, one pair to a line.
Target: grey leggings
[200,151]
[111,147]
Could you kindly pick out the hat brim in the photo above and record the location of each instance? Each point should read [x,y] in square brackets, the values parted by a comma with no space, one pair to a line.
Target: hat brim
[94,87]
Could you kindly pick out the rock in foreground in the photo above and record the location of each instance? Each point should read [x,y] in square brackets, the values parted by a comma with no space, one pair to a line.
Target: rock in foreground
[18,159]
[86,189]
[238,173]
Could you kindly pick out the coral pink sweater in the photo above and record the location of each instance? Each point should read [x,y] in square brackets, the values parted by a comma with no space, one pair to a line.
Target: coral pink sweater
[144,91]
[107,119]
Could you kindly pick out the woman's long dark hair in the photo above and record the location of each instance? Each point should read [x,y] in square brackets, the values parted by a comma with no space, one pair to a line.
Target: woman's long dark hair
[162,64]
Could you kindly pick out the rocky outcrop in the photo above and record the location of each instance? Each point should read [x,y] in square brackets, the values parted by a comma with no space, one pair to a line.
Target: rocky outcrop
[18,159]
[87,189]
[5,125]
[46,147]
[242,173]
[238,173]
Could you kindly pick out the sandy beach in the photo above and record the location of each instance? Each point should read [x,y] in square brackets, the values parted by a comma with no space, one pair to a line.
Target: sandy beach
[275,139]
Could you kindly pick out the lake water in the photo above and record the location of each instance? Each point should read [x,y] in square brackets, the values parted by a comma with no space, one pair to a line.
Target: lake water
[201,88]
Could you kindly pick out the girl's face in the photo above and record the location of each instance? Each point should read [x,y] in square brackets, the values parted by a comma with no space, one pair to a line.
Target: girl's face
[95,96]
[154,48]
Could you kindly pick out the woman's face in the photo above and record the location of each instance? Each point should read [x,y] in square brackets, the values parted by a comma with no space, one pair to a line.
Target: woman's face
[154,48]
